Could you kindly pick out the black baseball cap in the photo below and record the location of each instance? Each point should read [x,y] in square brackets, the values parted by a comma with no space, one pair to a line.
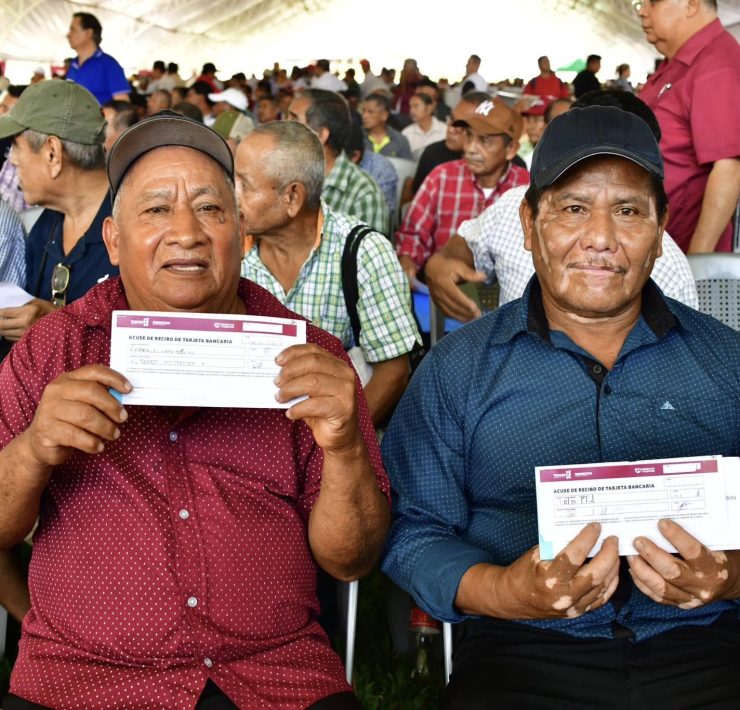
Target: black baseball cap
[582,133]
[162,129]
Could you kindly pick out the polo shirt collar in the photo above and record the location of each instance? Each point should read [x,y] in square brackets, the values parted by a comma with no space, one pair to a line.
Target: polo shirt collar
[691,48]
[530,314]
[95,55]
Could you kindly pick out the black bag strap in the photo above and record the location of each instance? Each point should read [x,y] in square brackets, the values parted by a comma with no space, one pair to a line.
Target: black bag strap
[349,275]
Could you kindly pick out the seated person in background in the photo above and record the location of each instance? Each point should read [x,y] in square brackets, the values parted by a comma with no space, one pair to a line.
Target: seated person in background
[10,191]
[546,84]
[491,246]
[378,167]
[451,148]
[12,247]
[119,117]
[191,111]
[347,188]
[295,250]
[462,189]
[268,109]
[198,96]
[574,372]
[534,125]
[58,134]
[196,586]
[426,127]
[431,89]
[158,100]
[381,138]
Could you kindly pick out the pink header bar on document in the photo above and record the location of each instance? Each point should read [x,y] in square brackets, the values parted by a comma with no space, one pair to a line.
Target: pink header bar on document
[631,470]
[213,325]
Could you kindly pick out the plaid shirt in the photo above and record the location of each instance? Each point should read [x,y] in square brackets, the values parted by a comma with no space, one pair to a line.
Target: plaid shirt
[12,247]
[388,328]
[449,195]
[351,191]
[496,239]
[9,189]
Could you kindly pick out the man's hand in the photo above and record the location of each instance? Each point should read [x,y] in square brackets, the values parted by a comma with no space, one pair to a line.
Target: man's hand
[14,322]
[697,577]
[409,267]
[76,412]
[443,274]
[331,408]
[531,588]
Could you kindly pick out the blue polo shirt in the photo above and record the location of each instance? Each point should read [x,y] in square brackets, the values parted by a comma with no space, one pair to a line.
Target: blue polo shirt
[88,261]
[101,75]
[504,394]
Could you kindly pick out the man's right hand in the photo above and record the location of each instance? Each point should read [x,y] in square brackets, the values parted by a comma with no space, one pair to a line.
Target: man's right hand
[531,588]
[14,322]
[76,411]
[443,274]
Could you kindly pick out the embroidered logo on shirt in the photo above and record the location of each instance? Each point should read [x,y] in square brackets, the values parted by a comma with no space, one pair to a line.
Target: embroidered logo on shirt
[485,108]
[667,405]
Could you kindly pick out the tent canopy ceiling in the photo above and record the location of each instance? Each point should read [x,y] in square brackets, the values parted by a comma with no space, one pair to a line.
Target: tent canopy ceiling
[249,35]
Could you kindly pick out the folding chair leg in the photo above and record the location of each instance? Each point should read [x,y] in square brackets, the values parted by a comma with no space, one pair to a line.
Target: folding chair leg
[447,643]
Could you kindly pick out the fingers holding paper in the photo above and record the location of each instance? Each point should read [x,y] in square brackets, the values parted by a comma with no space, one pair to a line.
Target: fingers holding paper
[695,577]
[76,411]
[330,409]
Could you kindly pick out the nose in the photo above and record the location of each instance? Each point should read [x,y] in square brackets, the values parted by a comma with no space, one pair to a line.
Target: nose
[185,229]
[599,232]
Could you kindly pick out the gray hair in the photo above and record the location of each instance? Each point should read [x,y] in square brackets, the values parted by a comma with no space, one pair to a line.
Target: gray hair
[297,157]
[84,157]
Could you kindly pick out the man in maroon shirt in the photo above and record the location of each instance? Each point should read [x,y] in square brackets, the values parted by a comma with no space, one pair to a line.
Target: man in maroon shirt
[174,565]
[694,94]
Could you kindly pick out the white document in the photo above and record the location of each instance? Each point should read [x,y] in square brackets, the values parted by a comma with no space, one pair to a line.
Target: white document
[12,296]
[629,498]
[201,359]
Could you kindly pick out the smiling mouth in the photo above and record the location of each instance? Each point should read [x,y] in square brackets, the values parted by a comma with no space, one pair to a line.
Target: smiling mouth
[185,266]
[598,268]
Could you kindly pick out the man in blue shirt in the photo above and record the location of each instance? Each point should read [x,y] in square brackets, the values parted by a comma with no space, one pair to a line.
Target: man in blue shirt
[97,71]
[592,364]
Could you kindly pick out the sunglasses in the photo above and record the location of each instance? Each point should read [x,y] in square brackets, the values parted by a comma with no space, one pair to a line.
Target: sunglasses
[59,285]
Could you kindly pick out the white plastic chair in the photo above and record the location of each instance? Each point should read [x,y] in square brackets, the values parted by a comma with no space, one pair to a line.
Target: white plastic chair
[404,169]
[717,278]
[348,596]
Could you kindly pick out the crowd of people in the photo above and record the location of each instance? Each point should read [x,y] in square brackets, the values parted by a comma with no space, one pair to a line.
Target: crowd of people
[185,557]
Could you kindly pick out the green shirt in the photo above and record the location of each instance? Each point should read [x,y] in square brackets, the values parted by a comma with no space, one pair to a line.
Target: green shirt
[351,191]
[387,326]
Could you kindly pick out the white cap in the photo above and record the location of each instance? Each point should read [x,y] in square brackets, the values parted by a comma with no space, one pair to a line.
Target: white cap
[233,97]
[40,70]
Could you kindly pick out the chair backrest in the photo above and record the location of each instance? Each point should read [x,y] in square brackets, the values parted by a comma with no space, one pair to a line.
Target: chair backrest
[404,169]
[717,278]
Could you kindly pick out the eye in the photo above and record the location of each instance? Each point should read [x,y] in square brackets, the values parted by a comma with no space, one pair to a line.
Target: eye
[156,209]
[575,209]
[208,207]
[627,212]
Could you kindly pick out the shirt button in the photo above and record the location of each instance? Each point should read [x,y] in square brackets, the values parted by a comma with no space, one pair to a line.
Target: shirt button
[173,436]
[192,602]
[207,662]
[597,371]
[607,389]
[184,514]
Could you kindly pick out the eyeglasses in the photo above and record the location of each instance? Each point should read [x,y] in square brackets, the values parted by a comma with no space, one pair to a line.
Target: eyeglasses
[637,5]
[59,285]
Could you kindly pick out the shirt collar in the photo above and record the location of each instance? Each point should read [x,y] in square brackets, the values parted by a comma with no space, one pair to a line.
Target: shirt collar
[339,175]
[530,314]
[689,50]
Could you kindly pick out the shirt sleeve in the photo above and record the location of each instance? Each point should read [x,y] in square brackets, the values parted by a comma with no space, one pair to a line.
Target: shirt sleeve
[12,248]
[387,325]
[372,205]
[424,451]
[116,78]
[715,118]
[404,149]
[672,273]
[475,233]
[415,237]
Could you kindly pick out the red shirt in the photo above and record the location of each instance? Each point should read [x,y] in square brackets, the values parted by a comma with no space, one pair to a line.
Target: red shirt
[548,88]
[180,553]
[696,98]
[449,195]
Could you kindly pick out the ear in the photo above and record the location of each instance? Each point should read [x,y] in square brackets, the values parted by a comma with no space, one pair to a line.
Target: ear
[111,239]
[661,232]
[295,198]
[512,149]
[323,134]
[54,155]
[527,219]
[693,8]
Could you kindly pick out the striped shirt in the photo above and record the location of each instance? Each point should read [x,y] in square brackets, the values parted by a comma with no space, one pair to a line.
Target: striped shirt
[12,247]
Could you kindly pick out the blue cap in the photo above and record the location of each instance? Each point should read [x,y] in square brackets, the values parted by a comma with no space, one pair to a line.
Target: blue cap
[582,133]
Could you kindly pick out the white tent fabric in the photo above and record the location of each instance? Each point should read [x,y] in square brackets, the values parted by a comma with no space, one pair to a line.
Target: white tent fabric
[249,35]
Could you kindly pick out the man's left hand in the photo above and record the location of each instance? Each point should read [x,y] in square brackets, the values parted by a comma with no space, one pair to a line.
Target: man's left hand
[696,576]
[331,408]
[14,322]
